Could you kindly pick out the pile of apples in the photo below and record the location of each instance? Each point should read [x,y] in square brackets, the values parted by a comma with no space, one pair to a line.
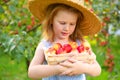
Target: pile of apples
[59,53]
[58,49]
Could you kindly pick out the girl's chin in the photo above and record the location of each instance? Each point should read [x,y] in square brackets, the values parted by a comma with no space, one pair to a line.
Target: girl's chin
[64,37]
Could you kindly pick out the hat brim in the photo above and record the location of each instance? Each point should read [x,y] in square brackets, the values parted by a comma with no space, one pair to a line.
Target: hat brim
[90,24]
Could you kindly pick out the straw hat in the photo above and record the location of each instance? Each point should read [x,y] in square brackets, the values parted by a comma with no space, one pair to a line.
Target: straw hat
[90,24]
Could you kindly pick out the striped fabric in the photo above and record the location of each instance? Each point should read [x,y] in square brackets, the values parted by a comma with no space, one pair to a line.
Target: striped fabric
[78,77]
[57,77]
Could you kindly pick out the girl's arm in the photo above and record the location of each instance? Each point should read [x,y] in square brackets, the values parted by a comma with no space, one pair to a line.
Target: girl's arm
[76,67]
[92,69]
[37,70]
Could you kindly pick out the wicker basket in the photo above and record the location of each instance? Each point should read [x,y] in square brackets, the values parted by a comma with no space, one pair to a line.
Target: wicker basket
[53,59]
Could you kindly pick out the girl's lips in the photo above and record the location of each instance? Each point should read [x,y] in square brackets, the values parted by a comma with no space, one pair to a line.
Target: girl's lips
[64,33]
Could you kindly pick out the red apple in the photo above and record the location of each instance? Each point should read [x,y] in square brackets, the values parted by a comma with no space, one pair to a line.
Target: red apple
[80,48]
[32,18]
[32,23]
[59,51]
[56,46]
[106,18]
[19,24]
[67,48]
[29,27]
[87,48]
[52,50]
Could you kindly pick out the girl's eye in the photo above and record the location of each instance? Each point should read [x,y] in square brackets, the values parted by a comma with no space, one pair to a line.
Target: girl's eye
[72,24]
[63,23]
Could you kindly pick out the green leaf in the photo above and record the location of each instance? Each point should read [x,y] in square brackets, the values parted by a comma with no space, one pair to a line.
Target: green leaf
[10,41]
[12,48]
[6,50]
[1,9]
[21,48]
[12,8]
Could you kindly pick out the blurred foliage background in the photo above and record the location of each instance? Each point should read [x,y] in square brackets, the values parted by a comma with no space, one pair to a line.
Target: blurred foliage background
[20,33]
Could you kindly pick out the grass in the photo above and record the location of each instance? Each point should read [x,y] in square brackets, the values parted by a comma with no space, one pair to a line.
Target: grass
[11,70]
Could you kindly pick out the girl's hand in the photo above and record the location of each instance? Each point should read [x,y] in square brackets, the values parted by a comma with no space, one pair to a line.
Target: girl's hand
[74,67]
[62,68]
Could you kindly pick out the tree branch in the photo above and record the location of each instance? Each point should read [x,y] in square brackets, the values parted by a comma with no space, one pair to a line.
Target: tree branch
[34,28]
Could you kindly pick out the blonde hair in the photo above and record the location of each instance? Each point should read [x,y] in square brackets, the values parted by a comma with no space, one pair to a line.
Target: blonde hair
[50,12]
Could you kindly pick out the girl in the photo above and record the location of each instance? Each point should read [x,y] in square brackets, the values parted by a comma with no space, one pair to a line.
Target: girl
[64,21]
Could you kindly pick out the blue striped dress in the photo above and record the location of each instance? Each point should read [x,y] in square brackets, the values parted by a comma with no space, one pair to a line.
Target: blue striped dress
[58,77]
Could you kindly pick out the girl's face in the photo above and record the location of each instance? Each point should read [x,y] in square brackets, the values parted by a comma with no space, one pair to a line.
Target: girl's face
[64,24]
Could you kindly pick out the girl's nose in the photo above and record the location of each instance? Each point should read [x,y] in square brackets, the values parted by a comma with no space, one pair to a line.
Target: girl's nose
[66,27]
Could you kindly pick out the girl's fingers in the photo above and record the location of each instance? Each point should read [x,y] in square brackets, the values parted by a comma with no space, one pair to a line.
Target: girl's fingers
[72,60]
[67,72]
[66,64]
[71,74]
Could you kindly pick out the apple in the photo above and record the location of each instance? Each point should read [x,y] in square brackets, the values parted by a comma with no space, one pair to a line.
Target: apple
[80,48]
[59,51]
[29,27]
[67,48]
[56,46]
[19,24]
[52,51]
[73,45]
[87,48]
